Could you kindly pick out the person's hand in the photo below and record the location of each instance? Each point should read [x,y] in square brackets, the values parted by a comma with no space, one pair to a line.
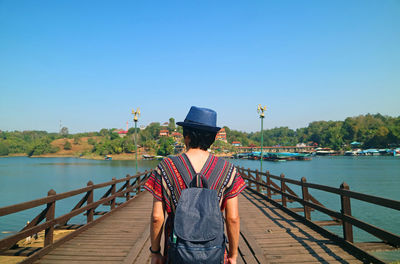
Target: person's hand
[158,259]
[232,260]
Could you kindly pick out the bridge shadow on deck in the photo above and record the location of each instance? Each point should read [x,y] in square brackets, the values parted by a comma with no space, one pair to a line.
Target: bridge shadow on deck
[128,240]
[317,244]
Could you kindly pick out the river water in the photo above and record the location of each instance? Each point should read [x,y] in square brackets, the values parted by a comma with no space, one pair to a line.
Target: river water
[23,179]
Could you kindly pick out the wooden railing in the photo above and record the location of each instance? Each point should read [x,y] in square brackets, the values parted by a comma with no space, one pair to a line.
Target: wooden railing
[266,188]
[87,206]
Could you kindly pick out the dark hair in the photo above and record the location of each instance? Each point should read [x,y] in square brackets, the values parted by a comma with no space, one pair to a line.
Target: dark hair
[199,138]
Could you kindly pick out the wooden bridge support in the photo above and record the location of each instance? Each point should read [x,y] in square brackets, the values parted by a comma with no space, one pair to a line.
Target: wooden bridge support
[113,188]
[283,189]
[51,209]
[258,178]
[90,212]
[346,210]
[128,194]
[304,191]
[268,185]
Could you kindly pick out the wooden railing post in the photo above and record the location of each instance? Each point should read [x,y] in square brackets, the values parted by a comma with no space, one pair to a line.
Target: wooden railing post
[139,181]
[269,185]
[51,210]
[304,191]
[90,212]
[346,210]
[258,179]
[112,193]
[248,174]
[283,189]
[138,185]
[128,194]
[241,172]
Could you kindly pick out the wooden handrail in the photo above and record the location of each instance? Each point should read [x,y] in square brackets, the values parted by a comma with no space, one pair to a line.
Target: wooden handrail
[389,203]
[41,201]
[344,216]
[49,212]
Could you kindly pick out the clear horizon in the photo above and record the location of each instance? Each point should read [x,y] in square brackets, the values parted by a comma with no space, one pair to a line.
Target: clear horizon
[89,63]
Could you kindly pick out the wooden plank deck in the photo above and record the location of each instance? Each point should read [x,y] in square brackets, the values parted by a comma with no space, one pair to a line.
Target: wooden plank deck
[268,235]
[122,235]
[279,238]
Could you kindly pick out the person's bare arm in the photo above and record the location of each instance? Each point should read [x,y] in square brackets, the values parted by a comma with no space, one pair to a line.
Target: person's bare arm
[232,227]
[156,227]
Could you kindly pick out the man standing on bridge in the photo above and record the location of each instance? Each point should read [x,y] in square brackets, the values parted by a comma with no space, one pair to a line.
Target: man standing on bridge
[170,178]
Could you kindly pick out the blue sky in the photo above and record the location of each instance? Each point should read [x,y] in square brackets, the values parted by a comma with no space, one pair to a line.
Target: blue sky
[88,63]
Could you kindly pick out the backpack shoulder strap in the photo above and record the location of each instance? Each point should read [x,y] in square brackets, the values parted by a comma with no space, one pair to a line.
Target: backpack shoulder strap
[221,175]
[180,166]
[185,169]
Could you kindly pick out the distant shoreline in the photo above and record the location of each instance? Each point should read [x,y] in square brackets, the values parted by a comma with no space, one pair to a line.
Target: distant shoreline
[123,156]
[89,157]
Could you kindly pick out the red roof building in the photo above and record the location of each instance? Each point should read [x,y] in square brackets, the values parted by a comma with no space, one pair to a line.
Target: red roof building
[121,132]
[221,135]
[236,143]
[164,133]
[176,135]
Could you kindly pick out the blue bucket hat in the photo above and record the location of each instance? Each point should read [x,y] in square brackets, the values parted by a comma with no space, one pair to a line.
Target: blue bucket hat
[201,118]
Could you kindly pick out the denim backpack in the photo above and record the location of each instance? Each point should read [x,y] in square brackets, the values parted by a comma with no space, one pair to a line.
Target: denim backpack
[198,231]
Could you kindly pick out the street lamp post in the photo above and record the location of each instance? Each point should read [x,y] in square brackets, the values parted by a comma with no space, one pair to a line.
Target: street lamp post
[261,111]
[135,119]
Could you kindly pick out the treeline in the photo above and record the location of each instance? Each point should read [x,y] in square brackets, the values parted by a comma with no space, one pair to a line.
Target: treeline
[104,142]
[148,138]
[34,142]
[29,142]
[373,131]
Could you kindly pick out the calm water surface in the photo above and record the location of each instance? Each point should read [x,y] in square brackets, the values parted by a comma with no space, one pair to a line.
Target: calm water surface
[23,179]
[379,176]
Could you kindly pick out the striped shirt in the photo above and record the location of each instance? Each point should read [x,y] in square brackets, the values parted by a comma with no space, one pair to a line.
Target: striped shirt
[166,182]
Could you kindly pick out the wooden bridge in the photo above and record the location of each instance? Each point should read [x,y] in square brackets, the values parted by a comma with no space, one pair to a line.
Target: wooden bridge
[302,149]
[271,232]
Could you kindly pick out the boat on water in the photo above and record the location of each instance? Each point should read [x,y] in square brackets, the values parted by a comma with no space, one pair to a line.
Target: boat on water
[148,157]
[152,157]
[369,152]
[354,152]
[242,155]
[350,153]
[326,152]
[280,156]
[396,152]
[108,157]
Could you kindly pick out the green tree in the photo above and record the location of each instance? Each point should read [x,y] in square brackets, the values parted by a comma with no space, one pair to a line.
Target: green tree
[150,145]
[77,140]
[221,146]
[165,146]
[171,124]
[91,141]
[64,131]
[104,132]
[67,145]
[114,135]
[3,149]
[41,146]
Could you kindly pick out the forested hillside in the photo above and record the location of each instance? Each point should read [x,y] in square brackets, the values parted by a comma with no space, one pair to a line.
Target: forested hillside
[376,131]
